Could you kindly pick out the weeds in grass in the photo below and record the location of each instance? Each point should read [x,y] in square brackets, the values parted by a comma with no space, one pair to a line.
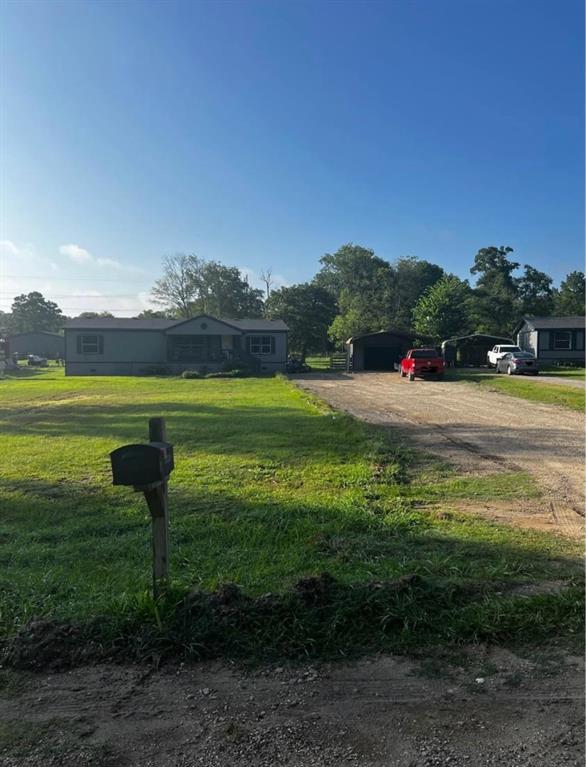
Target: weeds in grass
[517,386]
[271,486]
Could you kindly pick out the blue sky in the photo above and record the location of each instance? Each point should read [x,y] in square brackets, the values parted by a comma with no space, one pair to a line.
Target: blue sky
[267,133]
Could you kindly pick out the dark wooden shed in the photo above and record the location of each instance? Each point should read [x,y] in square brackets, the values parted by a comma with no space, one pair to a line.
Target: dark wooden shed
[381,350]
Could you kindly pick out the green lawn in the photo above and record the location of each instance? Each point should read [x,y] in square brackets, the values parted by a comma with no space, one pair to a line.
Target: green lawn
[519,386]
[269,486]
[565,372]
[318,362]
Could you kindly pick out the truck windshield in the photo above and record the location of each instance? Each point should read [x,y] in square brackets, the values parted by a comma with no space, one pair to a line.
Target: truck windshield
[426,354]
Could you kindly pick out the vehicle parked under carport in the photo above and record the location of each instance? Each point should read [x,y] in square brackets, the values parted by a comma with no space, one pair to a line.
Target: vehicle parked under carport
[518,363]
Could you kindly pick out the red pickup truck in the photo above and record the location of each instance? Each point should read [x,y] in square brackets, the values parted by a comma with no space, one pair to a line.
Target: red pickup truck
[422,363]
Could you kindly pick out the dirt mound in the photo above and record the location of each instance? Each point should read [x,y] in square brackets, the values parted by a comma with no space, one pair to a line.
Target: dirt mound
[45,644]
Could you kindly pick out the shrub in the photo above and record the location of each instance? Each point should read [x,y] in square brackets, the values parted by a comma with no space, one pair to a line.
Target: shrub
[191,374]
[236,373]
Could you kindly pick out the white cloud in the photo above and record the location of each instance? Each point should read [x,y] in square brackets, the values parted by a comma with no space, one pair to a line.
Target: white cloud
[109,262]
[75,283]
[9,248]
[76,253]
[82,256]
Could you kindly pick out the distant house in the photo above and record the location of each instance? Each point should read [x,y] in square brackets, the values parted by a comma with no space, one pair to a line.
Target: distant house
[552,339]
[113,346]
[380,350]
[39,342]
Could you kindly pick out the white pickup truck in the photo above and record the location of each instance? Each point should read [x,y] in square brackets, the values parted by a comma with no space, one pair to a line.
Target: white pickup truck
[498,351]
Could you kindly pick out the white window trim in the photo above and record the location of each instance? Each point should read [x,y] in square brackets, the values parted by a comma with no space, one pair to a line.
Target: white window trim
[91,347]
[257,345]
[567,333]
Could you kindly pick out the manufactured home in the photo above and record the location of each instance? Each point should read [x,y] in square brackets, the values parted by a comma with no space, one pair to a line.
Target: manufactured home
[552,339]
[114,346]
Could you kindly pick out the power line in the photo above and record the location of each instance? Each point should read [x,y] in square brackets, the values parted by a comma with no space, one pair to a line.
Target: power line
[83,295]
[67,279]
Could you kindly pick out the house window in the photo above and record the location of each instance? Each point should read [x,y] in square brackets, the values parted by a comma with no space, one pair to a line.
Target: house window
[90,344]
[562,339]
[580,340]
[260,344]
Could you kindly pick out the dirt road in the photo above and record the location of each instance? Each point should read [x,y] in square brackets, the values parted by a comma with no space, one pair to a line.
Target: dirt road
[479,430]
[492,708]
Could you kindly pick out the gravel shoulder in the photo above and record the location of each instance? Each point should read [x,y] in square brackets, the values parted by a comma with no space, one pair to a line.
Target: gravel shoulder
[492,708]
[474,429]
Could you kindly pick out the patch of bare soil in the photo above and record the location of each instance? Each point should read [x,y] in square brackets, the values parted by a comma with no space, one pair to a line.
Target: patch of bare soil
[486,707]
[529,515]
[477,430]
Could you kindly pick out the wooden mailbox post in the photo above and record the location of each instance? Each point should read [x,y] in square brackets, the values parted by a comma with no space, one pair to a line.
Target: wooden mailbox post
[146,468]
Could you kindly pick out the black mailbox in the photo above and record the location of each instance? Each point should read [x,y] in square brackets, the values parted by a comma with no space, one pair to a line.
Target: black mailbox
[142,465]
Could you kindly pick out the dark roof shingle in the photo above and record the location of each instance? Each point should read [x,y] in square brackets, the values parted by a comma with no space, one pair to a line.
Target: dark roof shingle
[547,323]
[125,323]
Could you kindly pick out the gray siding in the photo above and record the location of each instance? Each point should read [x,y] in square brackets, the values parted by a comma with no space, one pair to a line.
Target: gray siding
[271,362]
[202,326]
[143,352]
[119,346]
[43,344]
[527,340]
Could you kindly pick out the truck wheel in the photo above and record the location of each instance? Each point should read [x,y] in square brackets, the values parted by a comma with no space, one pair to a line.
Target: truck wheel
[509,371]
[411,377]
[497,369]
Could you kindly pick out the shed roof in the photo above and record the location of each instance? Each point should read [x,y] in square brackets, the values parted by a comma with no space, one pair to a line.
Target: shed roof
[125,323]
[551,323]
[407,334]
[476,336]
[36,333]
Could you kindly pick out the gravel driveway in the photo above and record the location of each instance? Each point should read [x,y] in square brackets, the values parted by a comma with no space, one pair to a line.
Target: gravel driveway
[476,429]
[496,709]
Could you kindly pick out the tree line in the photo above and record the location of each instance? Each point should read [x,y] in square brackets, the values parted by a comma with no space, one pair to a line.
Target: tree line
[354,291]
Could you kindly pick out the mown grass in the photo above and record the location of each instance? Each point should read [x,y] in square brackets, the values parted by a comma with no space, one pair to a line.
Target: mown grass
[519,386]
[561,372]
[319,362]
[270,486]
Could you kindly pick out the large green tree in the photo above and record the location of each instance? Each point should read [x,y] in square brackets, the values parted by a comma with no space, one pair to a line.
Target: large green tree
[191,286]
[535,293]
[94,315]
[443,310]
[5,323]
[153,314]
[32,311]
[569,299]
[494,304]
[412,278]
[308,310]
[362,284]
